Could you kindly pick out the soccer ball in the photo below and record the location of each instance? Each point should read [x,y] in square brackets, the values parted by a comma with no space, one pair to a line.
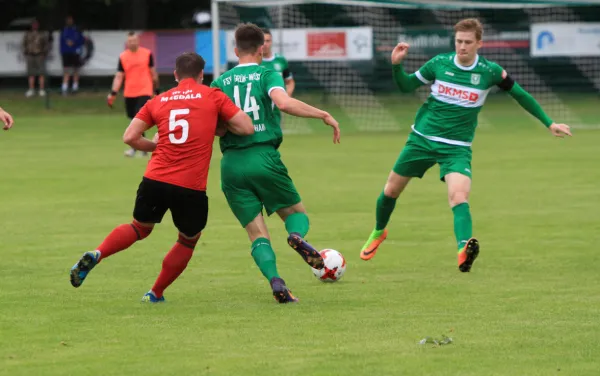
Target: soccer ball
[335,266]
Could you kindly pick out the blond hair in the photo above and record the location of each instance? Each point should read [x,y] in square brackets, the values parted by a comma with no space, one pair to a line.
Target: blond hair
[470,24]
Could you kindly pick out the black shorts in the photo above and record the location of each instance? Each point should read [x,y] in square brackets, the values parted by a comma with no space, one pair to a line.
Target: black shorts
[134,105]
[189,208]
[71,60]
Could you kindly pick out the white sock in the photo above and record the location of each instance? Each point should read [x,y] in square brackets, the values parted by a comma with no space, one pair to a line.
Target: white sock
[65,87]
[75,85]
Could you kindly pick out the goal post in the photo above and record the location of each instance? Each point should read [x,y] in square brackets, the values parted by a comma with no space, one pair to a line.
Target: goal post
[338,51]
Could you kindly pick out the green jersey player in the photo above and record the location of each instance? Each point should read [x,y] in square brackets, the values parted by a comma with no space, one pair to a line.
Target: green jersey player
[253,176]
[444,129]
[277,63]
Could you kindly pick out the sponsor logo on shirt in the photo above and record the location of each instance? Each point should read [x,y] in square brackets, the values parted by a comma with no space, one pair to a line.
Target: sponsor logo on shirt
[179,96]
[458,93]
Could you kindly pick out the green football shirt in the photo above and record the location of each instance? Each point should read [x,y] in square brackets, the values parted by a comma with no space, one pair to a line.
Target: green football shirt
[449,114]
[250,86]
[279,64]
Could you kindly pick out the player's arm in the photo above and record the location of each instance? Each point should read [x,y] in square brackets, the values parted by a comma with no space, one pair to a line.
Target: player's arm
[231,118]
[154,73]
[134,136]
[116,84]
[528,102]
[290,86]
[294,106]
[6,119]
[221,125]
[240,124]
[290,83]
[408,83]
[298,108]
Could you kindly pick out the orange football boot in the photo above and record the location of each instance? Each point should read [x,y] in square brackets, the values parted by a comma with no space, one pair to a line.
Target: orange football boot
[370,248]
[467,255]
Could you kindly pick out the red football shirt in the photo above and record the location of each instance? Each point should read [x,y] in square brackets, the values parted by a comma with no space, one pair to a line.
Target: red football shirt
[186,117]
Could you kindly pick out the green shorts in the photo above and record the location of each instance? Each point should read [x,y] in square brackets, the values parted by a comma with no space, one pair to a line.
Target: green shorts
[254,178]
[419,154]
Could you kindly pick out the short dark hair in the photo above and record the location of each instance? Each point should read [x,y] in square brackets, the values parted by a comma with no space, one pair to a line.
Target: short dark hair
[266,31]
[131,34]
[189,65]
[248,37]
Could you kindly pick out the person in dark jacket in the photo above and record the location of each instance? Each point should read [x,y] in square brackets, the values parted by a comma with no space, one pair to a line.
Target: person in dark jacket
[71,42]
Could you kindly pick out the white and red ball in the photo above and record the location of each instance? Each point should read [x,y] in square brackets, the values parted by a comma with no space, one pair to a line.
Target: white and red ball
[335,266]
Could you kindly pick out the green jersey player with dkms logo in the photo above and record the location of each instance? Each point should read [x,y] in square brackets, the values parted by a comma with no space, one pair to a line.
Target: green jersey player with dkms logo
[444,129]
[253,176]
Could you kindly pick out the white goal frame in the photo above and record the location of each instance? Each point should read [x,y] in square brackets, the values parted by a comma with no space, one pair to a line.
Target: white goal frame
[448,4]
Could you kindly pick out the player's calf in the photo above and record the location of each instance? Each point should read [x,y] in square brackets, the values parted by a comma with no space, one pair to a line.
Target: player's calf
[120,238]
[123,237]
[173,265]
[309,254]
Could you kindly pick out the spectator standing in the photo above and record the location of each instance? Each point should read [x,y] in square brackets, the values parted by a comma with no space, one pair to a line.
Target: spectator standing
[71,42]
[35,48]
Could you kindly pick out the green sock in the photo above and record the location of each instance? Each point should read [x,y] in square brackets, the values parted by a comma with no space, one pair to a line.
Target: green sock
[463,225]
[385,207]
[297,222]
[264,257]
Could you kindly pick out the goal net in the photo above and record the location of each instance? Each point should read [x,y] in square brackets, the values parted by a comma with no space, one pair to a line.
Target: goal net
[339,54]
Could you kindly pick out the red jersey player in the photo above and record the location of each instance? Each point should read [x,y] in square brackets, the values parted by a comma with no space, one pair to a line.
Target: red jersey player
[175,178]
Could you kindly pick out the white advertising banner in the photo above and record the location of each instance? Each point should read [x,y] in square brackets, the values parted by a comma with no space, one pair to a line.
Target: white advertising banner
[565,39]
[314,44]
[107,47]
[12,61]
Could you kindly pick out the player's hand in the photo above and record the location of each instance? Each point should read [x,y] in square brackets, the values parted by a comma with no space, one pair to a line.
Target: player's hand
[560,130]
[110,99]
[399,53]
[329,120]
[6,119]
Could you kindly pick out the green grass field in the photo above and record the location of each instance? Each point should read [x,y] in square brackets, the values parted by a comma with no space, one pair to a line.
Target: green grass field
[529,307]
